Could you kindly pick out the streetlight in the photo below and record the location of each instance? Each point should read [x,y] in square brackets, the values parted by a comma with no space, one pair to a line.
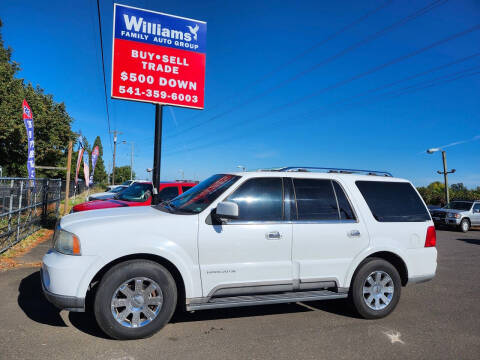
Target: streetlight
[444,172]
[181,172]
[131,158]
[242,167]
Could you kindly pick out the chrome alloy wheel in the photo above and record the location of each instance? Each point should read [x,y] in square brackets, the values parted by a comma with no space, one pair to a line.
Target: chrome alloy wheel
[378,290]
[137,302]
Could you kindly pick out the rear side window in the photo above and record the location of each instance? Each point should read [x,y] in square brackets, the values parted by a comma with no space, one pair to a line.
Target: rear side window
[344,208]
[393,201]
[315,199]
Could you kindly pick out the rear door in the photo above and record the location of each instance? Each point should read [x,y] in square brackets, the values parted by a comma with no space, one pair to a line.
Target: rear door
[327,233]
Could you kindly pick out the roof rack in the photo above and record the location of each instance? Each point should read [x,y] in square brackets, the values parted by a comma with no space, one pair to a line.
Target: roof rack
[330,170]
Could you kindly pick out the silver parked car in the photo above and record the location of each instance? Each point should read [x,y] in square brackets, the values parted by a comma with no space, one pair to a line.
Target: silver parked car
[461,214]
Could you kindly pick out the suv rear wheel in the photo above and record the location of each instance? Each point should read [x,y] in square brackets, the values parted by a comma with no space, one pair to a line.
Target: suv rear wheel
[375,289]
[135,299]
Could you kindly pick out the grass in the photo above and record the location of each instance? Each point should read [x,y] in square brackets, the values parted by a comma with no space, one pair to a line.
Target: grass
[80,198]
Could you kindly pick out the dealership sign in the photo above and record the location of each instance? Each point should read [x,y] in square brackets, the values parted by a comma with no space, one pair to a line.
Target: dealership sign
[158,58]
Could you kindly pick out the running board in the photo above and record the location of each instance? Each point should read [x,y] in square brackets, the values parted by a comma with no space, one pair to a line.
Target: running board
[264,299]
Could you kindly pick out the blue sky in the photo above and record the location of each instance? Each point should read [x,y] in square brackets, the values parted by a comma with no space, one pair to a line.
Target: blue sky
[260,111]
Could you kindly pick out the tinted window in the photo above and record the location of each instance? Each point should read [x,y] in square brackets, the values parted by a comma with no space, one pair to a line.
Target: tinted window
[135,192]
[259,199]
[346,212]
[186,188]
[168,193]
[459,205]
[315,199]
[393,201]
[476,207]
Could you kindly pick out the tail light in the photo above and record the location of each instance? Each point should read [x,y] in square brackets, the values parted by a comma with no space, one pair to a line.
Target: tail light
[431,239]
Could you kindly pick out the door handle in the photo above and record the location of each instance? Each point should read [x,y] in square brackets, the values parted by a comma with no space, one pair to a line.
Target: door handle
[273,235]
[354,233]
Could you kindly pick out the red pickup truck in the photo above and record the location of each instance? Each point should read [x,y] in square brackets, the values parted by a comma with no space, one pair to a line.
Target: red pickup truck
[137,194]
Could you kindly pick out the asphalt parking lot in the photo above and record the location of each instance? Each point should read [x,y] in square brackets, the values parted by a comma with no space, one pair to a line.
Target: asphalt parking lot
[435,320]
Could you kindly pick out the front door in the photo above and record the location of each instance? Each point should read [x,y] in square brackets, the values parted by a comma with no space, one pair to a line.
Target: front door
[476,214]
[251,254]
[327,234]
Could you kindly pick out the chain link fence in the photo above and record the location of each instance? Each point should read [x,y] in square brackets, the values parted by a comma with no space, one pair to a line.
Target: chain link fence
[26,205]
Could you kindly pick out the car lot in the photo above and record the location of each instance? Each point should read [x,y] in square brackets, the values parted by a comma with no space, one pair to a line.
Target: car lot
[434,320]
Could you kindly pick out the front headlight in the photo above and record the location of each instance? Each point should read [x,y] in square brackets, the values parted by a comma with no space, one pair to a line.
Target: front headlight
[453,215]
[66,243]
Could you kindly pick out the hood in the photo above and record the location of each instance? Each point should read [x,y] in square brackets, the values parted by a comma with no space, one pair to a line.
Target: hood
[102,195]
[116,214]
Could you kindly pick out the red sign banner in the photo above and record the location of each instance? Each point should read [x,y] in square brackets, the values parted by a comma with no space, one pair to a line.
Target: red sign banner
[158,58]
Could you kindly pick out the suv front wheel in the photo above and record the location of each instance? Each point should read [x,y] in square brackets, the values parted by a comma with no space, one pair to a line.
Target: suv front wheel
[135,299]
[375,289]
[464,225]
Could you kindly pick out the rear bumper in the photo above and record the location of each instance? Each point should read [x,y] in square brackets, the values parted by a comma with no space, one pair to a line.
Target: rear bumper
[70,303]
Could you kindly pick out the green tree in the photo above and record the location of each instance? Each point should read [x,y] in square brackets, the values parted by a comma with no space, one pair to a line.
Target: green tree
[122,174]
[100,175]
[51,122]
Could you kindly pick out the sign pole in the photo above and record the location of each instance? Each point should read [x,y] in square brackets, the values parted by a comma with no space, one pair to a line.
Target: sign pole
[157,151]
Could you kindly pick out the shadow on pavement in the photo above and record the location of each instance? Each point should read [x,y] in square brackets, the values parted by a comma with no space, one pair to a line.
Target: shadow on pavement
[338,307]
[34,304]
[85,322]
[470,241]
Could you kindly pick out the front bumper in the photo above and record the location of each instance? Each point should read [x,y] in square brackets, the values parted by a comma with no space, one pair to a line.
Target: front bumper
[446,221]
[64,281]
[70,303]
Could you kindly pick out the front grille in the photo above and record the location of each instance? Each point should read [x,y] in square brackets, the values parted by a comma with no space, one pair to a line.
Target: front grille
[439,214]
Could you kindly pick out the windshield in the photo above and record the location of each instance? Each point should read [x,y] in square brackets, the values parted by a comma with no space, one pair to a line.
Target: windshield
[135,192]
[117,189]
[128,182]
[459,205]
[199,197]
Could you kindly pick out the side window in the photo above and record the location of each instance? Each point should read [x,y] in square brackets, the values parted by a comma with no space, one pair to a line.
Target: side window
[346,212]
[259,199]
[393,201]
[315,199]
[186,188]
[476,208]
[168,193]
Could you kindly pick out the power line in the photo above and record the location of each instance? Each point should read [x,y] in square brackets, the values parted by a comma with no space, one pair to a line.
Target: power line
[355,77]
[103,69]
[300,55]
[339,54]
[277,122]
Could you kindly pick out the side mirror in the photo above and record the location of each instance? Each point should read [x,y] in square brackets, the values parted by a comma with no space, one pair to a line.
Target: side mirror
[476,210]
[227,210]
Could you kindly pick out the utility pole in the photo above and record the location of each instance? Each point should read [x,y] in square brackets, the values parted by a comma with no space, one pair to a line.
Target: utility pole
[445,176]
[67,184]
[445,172]
[115,133]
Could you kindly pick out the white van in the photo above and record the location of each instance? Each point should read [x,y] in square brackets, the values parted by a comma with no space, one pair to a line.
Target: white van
[241,239]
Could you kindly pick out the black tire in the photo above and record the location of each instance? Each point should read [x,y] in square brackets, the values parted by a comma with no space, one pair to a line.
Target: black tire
[117,276]
[356,290]
[464,226]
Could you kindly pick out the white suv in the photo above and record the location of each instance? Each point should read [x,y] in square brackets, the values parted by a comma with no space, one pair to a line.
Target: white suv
[243,239]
